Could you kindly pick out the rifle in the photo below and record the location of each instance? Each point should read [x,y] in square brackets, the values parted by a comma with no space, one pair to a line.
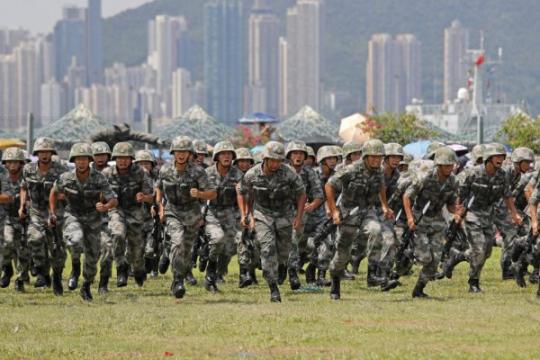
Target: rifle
[408,236]
[201,244]
[452,231]
[157,235]
[247,236]
[328,227]
[24,226]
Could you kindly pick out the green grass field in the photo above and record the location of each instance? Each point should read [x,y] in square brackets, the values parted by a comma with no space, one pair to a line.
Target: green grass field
[147,323]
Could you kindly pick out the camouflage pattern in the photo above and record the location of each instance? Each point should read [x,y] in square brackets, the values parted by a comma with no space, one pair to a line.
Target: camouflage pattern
[296,145]
[182,143]
[393,149]
[445,156]
[407,159]
[493,150]
[373,147]
[243,154]
[274,150]
[82,221]
[43,144]
[13,154]
[273,198]
[123,149]
[522,154]
[223,146]
[430,151]
[200,146]
[80,149]
[145,155]
[326,152]
[351,147]
[311,152]
[100,147]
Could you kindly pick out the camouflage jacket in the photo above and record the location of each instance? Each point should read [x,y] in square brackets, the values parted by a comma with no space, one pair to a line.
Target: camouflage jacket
[225,186]
[312,183]
[391,183]
[487,190]
[39,186]
[12,189]
[127,186]
[82,197]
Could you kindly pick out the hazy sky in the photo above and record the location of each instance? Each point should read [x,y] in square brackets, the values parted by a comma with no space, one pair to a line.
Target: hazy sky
[40,15]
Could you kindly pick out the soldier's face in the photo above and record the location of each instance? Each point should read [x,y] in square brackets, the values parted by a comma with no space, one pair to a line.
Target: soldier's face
[393,161]
[14,167]
[123,162]
[355,156]
[309,161]
[374,161]
[146,165]
[331,162]
[497,161]
[225,158]
[446,170]
[524,166]
[181,157]
[403,168]
[297,158]
[101,160]
[199,158]
[272,164]
[44,157]
[243,165]
[82,164]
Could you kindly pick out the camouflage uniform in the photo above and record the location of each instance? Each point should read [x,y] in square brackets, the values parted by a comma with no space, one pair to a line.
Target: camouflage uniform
[125,221]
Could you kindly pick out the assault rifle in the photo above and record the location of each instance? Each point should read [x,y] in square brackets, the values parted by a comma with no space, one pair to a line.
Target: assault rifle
[452,231]
[408,237]
[200,248]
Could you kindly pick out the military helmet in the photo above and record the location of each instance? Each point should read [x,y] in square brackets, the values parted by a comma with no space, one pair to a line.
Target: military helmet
[522,154]
[13,154]
[337,150]
[445,156]
[43,144]
[373,147]
[296,145]
[123,149]
[243,154]
[145,155]
[200,147]
[407,158]
[274,150]
[182,143]
[351,147]
[80,150]
[224,146]
[493,149]
[477,153]
[311,152]
[393,149]
[326,152]
[101,147]
[430,151]
[27,156]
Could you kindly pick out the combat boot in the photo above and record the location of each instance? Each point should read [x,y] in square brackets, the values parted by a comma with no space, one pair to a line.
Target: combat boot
[355,266]
[253,275]
[347,275]
[372,278]
[507,273]
[418,291]
[282,274]
[163,265]
[121,275]
[335,290]
[148,264]
[7,273]
[387,284]
[274,293]
[453,260]
[321,279]
[73,280]
[19,285]
[245,278]
[519,275]
[310,273]
[86,295]
[42,280]
[103,285]
[190,278]
[210,279]
[178,290]
[140,277]
[533,278]
[58,289]
[294,281]
[474,286]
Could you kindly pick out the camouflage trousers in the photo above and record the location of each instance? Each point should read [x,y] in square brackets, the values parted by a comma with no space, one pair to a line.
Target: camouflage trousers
[300,250]
[182,228]
[41,242]
[147,228]
[15,248]
[347,233]
[428,246]
[107,248]
[222,229]
[273,237]
[83,232]
[508,232]
[248,255]
[125,227]
[480,237]
[388,249]
[359,248]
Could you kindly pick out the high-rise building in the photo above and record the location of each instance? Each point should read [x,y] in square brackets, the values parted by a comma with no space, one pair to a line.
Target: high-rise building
[28,82]
[53,101]
[224,58]
[263,81]
[304,55]
[94,42]
[456,43]
[70,40]
[283,81]
[75,78]
[411,59]
[10,38]
[8,91]
[182,92]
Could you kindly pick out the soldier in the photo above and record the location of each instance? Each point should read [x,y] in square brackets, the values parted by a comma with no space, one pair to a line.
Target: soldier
[133,187]
[45,244]
[311,159]
[404,163]
[476,156]
[15,247]
[222,218]
[488,184]
[362,186]
[430,151]
[352,151]
[296,153]
[182,184]
[101,155]
[438,188]
[243,160]
[201,152]
[87,194]
[272,187]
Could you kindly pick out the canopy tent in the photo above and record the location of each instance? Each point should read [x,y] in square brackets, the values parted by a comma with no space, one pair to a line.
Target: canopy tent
[197,124]
[258,118]
[309,126]
[351,128]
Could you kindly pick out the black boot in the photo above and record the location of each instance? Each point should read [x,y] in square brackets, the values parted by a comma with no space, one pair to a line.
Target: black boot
[274,293]
[321,279]
[210,279]
[282,274]
[519,274]
[533,278]
[310,273]
[85,291]
[355,265]
[73,280]
[103,285]
[178,290]
[58,289]
[19,285]
[335,290]
[121,275]
[294,281]
[148,263]
[253,275]
[454,259]
[347,275]
[245,278]
[372,278]
[418,291]
[163,265]
[190,278]
[387,284]
[7,273]
[43,278]
[474,286]
[507,273]
[140,277]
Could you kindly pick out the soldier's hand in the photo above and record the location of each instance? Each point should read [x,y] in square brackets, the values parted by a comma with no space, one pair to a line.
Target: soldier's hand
[309,207]
[194,193]
[297,223]
[101,207]
[22,213]
[516,219]
[336,217]
[457,217]
[60,196]
[139,197]
[411,224]
[161,214]
[534,228]
[388,213]
[52,220]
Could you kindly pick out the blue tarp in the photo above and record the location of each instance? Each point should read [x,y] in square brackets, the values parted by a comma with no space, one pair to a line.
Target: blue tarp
[417,149]
[257,118]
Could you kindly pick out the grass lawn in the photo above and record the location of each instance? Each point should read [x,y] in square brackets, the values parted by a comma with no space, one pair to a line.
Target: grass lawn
[147,323]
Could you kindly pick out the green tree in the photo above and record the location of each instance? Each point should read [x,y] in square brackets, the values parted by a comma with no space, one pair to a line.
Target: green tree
[404,128]
[520,130]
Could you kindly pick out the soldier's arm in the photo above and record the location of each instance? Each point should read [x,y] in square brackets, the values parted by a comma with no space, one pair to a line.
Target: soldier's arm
[5,198]
[331,202]
[53,197]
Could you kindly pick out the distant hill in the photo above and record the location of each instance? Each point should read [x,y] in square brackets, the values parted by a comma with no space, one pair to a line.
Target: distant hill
[512,25]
